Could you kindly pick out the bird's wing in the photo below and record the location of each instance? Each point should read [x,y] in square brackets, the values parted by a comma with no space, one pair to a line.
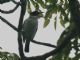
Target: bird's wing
[30,28]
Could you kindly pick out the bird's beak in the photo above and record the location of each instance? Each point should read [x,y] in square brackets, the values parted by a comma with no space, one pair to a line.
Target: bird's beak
[41,15]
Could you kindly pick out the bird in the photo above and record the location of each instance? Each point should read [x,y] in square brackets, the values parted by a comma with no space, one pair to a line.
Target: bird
[30,27]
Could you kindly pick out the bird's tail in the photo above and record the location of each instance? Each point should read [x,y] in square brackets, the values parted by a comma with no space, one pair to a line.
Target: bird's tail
[27,46]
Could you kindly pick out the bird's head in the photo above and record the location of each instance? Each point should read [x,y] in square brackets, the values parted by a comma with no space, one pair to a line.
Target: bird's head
[37,14]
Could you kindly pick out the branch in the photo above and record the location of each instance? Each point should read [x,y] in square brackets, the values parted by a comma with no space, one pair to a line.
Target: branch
[4,1]
[10,11]
[23,11]
[15,2]
[20,46]
[65,42]
[45,44]
[8,23]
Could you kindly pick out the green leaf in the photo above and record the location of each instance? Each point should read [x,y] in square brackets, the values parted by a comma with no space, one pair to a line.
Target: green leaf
[62,21]
[63,54]
[52,1]
[28,6]
[8,56]
[58,56]
[77,57]
[75,44]
[48,14]
[41,3]
[67,50]
[46,23]
[55,22]
[62,0]
[35,4]
[16,57]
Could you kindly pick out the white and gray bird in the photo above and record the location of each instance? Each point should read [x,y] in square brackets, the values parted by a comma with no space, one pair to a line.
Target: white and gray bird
[30,27]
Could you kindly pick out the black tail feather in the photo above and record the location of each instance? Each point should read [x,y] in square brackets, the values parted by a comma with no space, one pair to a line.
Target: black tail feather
[27,46]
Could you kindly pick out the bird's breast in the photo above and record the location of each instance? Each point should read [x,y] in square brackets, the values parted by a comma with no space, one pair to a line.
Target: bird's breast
[30,27]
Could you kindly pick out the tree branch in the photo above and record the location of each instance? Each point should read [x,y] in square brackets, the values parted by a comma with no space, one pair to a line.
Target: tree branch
[10,11]
[45,44]
[4,1]
[23,10]
[67,39]
[8,23]
[15,2]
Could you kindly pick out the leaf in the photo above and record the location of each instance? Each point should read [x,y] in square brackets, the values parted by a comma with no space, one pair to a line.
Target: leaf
[58,56]
[63,54]
[35,4]
[55,22]
[28,6]
[75,44]
[61,0]
[8,56]
[67,50]
[77,57]
[51,1]
[48,14]
[41,3]
[46,23]
[62,21]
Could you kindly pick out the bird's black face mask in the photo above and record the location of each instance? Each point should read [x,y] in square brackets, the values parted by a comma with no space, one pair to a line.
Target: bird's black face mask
[36,13]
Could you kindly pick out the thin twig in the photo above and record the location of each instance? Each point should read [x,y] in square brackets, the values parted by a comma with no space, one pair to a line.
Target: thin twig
[8,23]
[22,13]
[10,11]
[45,44]
[15,2]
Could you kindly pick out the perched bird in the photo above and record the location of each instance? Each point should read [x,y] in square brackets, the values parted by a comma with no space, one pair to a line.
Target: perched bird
[30,27]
